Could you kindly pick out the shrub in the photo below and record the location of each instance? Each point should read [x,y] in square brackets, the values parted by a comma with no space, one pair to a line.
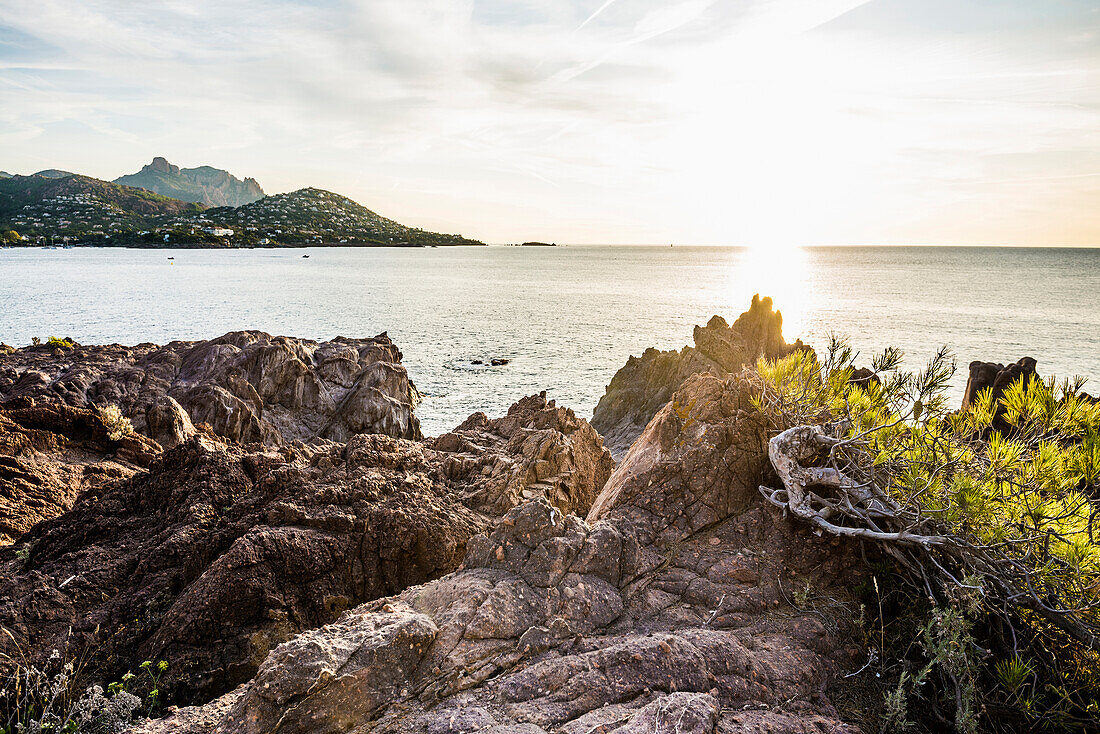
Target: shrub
[117,425]
[994,526]
[59,343]
[37,700]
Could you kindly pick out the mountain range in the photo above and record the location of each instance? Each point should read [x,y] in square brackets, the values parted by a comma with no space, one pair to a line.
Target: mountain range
[48,173]
[55,206]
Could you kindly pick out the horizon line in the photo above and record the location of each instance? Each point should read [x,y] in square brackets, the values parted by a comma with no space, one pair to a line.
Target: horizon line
[985,245]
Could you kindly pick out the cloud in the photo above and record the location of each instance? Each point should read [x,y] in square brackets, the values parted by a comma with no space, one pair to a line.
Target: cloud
[663,120]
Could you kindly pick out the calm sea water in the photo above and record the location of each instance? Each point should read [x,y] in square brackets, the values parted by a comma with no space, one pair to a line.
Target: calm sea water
[568,317]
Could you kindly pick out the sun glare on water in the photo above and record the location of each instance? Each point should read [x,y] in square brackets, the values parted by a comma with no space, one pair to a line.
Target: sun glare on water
[781,272]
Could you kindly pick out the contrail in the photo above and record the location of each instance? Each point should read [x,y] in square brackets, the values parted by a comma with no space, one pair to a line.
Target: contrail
[599,10]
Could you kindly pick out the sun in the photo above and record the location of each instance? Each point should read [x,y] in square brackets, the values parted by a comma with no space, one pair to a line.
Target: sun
[781,272]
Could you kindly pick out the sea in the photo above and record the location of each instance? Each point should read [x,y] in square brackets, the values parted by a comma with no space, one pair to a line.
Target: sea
[566,318]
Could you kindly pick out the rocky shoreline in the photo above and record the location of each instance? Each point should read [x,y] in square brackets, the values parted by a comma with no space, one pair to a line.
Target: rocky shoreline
[264,515]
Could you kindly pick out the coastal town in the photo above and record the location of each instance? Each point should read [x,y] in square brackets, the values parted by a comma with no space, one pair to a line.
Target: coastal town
[81,211]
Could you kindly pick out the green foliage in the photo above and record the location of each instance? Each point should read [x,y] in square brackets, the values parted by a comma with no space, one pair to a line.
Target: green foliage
[1013,674]
[1025,491]
[85,211]
[49,699]
[60,343]
[147,683]
[802,595]
[1004,495]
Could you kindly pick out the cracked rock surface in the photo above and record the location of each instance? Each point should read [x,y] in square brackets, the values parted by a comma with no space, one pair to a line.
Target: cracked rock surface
[217,553]
[248,386]
[670,609]
[50,453]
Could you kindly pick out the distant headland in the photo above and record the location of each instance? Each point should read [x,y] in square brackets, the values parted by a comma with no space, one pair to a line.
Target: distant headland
[165,206]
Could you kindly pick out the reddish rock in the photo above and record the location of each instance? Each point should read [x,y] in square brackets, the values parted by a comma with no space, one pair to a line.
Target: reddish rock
[643,385]
[248,386]
[538,449]
[50,453]
[220,552]
[985,375]
[634,621]
[167,422]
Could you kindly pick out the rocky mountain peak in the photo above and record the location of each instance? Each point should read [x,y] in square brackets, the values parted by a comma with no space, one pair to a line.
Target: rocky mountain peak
[161,165]
[203,185]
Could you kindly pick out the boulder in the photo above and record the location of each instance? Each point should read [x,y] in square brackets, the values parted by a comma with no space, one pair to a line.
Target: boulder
[537,449]
[167,422]
[248,386]
[644,384]
[50,453]
[672,608]
[996,376]
[220,552]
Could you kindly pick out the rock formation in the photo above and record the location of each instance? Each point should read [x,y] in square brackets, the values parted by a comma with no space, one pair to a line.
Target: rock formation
[219,552]
[560,457]
[203,185]
[643,385]
[673,608]
[50,453]
[997,376]
[248,386]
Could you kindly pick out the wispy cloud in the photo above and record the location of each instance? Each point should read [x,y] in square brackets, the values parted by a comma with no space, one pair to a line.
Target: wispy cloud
[596,14]
[656,120]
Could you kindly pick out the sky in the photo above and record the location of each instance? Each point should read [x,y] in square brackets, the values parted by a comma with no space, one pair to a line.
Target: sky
[737,122]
